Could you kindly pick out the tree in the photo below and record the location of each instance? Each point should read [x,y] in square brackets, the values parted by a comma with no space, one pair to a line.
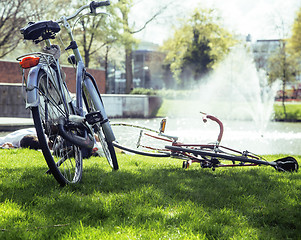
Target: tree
[14,14]
[96,34]
[197,45]
[282,65]
[127,37]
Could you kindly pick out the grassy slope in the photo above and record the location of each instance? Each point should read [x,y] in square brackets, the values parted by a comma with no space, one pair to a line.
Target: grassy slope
[147,198]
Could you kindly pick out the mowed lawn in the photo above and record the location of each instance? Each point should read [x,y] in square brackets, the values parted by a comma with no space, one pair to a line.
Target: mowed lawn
[148,198]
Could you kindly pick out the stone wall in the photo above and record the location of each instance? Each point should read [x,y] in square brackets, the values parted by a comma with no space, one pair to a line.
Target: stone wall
[12,104]
[131,106]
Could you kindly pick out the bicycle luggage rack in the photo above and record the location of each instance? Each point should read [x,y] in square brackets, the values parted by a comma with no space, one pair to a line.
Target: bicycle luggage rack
[45,58]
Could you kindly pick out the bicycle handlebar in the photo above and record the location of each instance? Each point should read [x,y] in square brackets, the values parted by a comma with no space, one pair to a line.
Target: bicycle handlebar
[93,5]
[221,127]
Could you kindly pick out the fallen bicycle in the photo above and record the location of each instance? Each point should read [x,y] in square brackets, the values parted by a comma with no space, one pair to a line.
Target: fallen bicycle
[149,142]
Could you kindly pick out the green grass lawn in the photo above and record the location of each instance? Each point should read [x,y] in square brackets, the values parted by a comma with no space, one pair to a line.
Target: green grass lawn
[293,111]
[148,198]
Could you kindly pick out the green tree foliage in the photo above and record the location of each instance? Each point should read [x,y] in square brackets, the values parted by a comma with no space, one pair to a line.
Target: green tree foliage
[93,33]
[197,45]
[295,40]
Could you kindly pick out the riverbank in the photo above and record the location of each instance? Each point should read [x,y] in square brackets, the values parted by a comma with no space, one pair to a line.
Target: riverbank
[8,124]
[293,110]
[180,108]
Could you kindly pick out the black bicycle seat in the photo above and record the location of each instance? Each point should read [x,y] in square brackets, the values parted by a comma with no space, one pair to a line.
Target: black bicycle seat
[40,31]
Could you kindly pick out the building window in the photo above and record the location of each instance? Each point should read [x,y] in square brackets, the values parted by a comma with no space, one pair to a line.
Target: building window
[139,58]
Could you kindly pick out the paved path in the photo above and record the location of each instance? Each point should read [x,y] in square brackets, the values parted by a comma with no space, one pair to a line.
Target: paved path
[11,124]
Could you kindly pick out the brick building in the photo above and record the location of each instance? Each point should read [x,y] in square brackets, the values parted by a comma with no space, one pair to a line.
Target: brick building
[10,73]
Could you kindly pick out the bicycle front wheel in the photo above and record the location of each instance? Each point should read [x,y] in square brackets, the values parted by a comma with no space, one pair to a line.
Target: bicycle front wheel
[94,103]
[63,158]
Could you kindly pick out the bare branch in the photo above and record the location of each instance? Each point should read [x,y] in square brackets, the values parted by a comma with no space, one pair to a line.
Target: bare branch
[151,19]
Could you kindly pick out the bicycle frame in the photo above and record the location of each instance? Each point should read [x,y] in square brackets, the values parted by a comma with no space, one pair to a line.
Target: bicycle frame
[216,147]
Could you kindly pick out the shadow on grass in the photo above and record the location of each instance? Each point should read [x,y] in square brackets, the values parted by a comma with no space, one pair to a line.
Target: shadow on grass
[218,204]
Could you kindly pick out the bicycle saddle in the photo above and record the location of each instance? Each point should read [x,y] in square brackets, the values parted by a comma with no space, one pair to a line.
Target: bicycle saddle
[40,31]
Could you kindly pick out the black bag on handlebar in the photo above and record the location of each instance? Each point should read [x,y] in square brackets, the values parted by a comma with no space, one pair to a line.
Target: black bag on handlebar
[40,31]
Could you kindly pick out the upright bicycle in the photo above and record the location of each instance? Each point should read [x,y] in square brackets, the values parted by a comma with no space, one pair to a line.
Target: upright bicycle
[66,127]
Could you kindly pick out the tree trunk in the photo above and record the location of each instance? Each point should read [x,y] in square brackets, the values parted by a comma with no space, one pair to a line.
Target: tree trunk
[284,80]
[87,58]
[106,67]
[128,70]
[283,100]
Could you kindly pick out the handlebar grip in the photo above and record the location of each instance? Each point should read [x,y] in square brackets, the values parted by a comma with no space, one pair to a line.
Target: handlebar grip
[94,5]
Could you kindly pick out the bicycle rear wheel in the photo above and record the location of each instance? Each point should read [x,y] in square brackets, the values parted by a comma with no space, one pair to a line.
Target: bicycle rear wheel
[63,158]
[92,101]
[140,140]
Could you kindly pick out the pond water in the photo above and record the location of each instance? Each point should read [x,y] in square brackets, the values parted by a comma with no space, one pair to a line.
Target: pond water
[278,137]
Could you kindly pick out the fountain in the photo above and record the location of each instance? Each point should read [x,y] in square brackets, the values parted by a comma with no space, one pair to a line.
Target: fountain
[240,97]
[237,91]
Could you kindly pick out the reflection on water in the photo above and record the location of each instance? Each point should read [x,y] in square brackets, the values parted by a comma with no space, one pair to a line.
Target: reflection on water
[284,138]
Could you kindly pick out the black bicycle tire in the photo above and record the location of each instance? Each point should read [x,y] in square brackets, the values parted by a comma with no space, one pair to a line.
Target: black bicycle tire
[109,149]
[45,149]
[217,155]
[149,154]
[113,153]
[53,168]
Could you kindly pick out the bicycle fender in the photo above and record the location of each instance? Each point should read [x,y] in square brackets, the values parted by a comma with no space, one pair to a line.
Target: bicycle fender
[32,99]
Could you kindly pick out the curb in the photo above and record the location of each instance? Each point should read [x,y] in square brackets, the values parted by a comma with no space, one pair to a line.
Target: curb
[12,124]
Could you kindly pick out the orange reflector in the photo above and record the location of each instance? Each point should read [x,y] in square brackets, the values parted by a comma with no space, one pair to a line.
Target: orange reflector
[162,125]
[29,62]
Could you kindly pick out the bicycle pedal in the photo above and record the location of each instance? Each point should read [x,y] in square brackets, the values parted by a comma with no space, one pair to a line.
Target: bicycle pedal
[94,117]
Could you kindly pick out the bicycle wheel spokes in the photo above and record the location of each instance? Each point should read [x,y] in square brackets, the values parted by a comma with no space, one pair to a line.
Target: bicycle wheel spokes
[140,140]
[64,159]
[68,160]
[107,149]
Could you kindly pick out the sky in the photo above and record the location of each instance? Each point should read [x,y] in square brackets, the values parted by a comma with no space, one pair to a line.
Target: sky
[256,17]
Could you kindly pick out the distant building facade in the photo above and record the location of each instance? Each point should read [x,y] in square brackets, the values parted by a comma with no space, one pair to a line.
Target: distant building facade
[262,50]
[148,70]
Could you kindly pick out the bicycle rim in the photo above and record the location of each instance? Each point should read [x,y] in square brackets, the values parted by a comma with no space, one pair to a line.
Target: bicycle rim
[63,158]
[107,146]
[108,150]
